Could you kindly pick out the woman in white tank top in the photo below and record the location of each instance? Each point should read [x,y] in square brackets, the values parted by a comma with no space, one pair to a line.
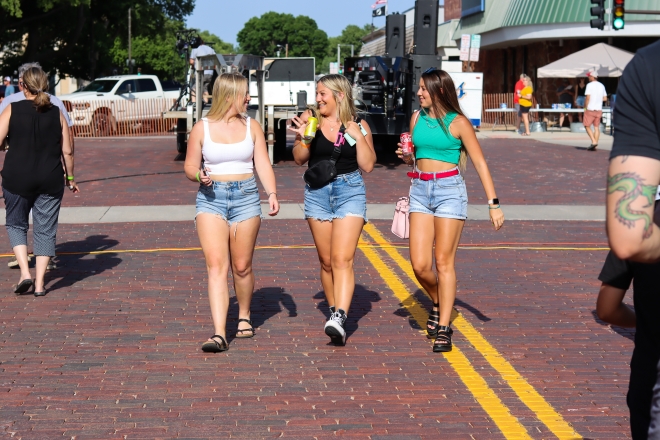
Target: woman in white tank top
[223,150]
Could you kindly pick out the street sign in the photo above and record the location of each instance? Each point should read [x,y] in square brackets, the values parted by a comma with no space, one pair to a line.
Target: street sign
[334,68]
[475,43]
[465,47]
[474,54]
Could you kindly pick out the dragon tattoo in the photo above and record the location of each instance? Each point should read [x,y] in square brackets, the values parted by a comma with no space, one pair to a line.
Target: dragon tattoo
[632,187]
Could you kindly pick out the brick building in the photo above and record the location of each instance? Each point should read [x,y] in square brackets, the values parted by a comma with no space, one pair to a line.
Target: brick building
[522,35]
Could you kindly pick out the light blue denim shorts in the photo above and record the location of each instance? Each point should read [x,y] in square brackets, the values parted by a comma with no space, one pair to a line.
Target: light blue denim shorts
[232,201]
[580,100]
[445,197]
[346,196]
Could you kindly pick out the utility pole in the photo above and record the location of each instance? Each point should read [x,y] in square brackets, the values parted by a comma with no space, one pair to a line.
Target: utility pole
[286,50]
[130,52]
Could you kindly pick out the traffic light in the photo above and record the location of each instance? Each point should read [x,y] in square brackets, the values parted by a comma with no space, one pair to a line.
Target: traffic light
[618,15]
[598,12]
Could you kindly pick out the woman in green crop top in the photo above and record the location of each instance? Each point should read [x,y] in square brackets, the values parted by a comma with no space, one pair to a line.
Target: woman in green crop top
[442,138]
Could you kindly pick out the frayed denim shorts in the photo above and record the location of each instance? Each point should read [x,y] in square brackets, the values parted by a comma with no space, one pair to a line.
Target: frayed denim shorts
[445,197]
[346,196]
[234,202]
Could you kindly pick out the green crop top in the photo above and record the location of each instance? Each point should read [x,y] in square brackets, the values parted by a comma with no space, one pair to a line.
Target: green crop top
[431,141]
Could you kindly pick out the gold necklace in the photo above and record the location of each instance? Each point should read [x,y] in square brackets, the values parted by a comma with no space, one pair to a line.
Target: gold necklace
[335,126]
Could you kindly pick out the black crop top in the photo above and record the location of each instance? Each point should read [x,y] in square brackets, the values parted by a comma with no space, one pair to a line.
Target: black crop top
[321,149]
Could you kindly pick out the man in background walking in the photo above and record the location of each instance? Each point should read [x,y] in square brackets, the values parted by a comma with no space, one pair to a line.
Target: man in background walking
[199,51]
[9,88]
[595,95]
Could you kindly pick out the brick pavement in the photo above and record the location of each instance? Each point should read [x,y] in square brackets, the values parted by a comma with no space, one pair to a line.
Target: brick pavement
[113,350]
[140,171]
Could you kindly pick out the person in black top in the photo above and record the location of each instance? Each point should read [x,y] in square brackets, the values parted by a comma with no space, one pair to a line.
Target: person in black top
[32,176]
[633,178]
[616,277]
[336,212]
[565,94]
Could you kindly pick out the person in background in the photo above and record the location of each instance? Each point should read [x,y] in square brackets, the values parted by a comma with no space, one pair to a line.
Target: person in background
[595,95]
[520,84]
[566,95]
[526,103]
[200,50]
[32,177]
[9,87]
[223,150]
[579,95]
[20,96]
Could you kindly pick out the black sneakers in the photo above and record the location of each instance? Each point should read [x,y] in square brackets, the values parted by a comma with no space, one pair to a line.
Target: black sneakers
[335,327]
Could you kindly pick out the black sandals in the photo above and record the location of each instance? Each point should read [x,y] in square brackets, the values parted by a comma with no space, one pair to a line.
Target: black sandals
[23,286]
[240,333]
[433,322]
[214,346]
[443,339]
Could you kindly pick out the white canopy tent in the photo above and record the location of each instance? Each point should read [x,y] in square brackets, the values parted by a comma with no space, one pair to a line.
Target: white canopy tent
[606,60]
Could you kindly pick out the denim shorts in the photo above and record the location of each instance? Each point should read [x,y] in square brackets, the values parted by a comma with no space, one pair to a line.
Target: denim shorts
[232,201]
[580,100]
[446,197]
[345,196]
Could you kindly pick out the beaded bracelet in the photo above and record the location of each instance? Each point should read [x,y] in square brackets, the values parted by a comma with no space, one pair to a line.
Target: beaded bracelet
[271,193]
[494,207]
[69,178]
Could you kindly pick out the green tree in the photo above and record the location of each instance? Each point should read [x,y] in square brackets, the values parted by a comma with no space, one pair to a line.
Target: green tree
[216,43]
[351,34]
[76,37]
[158,56]
[262,35]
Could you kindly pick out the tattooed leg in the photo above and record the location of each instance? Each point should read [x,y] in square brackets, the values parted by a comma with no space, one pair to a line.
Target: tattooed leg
[632,186]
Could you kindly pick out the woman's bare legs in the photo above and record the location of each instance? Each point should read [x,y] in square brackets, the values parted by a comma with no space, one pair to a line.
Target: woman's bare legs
[241,249]
[422,235]
[21,254]
[213,233]
[336,243]
[41,266]
[447,235]
[526,121]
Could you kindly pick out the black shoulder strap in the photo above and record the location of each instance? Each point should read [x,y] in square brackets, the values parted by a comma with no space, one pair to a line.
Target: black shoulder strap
[338,144]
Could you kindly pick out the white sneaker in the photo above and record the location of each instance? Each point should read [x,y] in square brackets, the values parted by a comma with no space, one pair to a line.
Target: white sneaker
[335,328]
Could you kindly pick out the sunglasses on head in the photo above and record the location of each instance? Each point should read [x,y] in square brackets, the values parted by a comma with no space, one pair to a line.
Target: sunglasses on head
[430,69]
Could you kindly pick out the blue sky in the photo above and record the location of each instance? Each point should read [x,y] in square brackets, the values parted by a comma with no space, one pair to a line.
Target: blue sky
[225,18]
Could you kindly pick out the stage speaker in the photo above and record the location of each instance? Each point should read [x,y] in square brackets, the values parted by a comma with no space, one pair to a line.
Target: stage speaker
[426,27]
[395,40]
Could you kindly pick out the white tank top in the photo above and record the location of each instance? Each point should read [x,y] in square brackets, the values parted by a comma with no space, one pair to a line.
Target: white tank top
[233,158]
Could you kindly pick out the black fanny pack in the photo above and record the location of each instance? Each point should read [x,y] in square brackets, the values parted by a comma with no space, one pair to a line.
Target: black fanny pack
[325,171]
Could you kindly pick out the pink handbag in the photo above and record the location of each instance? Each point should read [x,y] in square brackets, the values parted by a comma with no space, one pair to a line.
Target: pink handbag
[400,223]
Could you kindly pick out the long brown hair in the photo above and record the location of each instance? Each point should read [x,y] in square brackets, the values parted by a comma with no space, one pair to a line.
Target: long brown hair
[36,82]
[444,100]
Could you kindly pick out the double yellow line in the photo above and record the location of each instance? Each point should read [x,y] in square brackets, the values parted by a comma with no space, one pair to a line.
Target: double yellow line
[487,398]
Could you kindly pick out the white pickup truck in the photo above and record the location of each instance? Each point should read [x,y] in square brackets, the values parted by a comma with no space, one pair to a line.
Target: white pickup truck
[117,104]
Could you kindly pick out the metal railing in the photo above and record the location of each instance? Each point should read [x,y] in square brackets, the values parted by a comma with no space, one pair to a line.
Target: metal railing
[122,117]
[494,100]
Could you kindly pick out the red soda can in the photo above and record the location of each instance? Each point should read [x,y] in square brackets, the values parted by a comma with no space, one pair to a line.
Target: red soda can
[406,143]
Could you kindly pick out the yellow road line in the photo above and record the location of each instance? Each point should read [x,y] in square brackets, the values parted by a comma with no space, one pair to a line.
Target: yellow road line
[498,412]
[526,393]
[311,246]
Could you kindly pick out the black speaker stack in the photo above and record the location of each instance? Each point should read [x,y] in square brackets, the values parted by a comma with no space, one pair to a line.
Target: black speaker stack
[395,37]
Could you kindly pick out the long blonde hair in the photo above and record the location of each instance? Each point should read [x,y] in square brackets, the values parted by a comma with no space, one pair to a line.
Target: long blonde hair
[339,84]
[227,90]
[36,82]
